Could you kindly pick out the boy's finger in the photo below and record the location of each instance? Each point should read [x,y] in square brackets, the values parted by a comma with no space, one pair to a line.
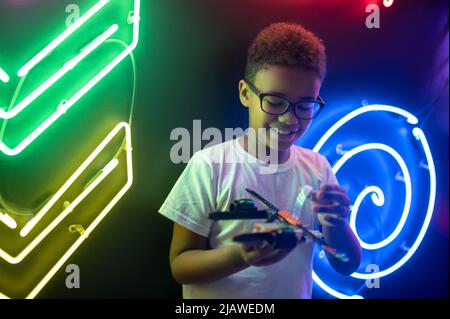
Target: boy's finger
[337,209]
[331,187]
[333,195]
[252,245]
[325,202]
[259,245]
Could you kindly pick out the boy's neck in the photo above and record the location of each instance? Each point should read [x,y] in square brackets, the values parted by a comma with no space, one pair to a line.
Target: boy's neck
[255,149]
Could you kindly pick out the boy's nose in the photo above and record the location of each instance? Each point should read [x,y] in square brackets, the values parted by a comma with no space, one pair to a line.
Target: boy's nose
[288,118]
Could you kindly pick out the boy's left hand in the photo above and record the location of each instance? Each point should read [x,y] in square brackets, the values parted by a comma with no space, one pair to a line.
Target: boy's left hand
[332,205]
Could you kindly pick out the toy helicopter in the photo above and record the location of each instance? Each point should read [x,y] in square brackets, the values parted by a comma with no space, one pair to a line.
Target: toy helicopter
[283,235]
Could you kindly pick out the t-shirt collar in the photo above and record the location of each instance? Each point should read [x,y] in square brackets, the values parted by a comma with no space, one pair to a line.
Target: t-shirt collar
[275,168]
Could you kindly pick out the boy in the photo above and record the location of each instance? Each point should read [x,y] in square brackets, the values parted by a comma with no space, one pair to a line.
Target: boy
[285,69]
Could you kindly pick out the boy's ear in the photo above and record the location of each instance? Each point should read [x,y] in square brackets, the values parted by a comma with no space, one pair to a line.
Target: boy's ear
[244,93]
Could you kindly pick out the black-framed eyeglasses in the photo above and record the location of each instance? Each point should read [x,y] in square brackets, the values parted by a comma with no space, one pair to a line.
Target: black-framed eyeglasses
[274,104]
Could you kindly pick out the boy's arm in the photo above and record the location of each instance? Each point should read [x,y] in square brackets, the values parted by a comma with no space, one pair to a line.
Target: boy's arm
[192,261]
[337,233]
[342,238]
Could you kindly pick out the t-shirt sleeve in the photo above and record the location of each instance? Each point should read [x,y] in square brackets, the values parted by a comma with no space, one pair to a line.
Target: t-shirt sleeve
[192,198]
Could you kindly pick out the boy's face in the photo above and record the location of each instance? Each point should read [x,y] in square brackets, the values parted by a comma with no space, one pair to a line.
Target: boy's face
[291,83]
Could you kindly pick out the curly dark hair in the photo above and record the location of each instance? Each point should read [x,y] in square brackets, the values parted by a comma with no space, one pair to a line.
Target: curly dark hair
[286,44]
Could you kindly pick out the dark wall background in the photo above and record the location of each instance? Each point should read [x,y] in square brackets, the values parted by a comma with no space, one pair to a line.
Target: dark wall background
[190,58]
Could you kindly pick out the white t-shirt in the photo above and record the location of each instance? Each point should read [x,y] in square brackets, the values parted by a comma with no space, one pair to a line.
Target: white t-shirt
[218,175]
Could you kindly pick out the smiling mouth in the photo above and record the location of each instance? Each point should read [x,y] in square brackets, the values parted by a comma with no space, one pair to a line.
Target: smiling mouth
[285,132]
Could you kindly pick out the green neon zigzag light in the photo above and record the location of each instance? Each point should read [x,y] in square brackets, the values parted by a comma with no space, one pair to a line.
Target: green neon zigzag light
[4,77]
[105,172]
[64,106]
[41,55]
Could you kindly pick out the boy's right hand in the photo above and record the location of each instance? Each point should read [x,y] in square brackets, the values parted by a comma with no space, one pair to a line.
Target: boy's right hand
[261,253]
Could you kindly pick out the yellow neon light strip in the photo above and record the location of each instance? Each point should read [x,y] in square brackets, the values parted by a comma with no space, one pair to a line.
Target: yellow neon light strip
[59,74]
[64,107]
[94,224]
[86,234]
[8,221]
[105,172]
[4,77]
[30,225]
[63,36]
[88,161]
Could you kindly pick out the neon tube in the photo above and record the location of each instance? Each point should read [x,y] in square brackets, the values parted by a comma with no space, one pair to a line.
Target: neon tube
[32,223]
[369,108]
[59,74]
[8,220]
[63,36]
[64,107]
[94,224]
[420,136]
[377,194]
[376,191]
[331,291]
[4,77]
[17,259]
[11,151]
